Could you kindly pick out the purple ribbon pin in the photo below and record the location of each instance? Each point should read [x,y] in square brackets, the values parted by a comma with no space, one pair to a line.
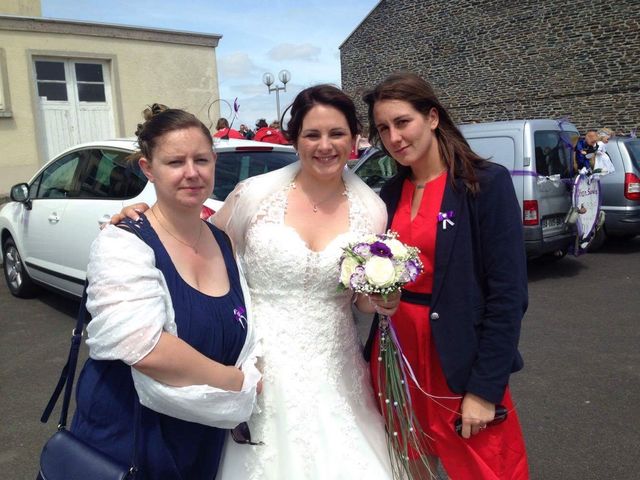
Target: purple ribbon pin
[239,313]
[445,218]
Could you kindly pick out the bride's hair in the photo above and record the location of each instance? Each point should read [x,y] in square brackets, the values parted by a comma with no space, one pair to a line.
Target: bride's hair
[323,94]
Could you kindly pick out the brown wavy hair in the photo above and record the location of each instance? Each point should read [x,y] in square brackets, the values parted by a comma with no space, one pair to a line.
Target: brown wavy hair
[461,161]
[158,120]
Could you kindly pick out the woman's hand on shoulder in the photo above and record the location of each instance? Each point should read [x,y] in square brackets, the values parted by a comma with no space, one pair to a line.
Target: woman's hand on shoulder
[132,212]
[476,413]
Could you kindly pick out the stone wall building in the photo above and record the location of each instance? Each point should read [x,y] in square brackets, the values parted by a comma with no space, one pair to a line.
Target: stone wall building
[500,60]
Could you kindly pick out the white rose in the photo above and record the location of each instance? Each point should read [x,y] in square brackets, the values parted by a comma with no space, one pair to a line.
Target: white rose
[347,268]
[370,238]
[397,248]
[380,271]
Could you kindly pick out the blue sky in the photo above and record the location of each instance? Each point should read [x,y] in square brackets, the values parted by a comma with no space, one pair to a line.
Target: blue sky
[261,36]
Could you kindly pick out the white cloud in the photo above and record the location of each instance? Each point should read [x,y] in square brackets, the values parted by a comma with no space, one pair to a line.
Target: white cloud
[236,65]
[290,51]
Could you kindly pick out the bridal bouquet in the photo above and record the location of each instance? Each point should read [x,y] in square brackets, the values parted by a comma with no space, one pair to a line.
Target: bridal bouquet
[381,264]
[378,264]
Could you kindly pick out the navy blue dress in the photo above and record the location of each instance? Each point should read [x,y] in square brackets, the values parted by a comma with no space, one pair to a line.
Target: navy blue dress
[168,448]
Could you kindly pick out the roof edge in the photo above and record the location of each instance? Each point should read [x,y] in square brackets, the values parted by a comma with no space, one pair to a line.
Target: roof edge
[108,30]
[358,26]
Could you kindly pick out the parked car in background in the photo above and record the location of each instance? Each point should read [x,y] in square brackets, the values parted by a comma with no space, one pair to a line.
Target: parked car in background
[620,192]
[539,155]
[48,227]
[375,167]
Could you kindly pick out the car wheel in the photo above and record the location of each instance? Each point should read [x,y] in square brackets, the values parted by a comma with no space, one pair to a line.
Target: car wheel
[598,240]
[558,254]
[15,273]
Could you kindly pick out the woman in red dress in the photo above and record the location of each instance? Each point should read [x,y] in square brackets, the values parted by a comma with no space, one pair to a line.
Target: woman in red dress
[459,323]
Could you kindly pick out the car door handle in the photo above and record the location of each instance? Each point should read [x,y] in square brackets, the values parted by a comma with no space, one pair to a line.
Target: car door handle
[54,218]
[104,220]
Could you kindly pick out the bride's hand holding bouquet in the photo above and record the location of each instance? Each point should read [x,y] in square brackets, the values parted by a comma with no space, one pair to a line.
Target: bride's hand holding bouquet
[375,268]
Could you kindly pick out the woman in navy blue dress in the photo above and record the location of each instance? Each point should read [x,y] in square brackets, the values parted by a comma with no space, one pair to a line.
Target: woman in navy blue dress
[169,325]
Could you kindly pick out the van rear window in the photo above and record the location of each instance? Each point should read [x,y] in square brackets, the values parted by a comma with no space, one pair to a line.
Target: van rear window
[633,146]
[554,152]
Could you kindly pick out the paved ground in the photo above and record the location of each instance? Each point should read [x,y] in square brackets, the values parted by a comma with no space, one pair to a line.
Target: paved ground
[578,397]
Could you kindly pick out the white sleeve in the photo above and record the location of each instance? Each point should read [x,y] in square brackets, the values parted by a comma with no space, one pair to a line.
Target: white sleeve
[226,216]
[126,298]
[131,307]
[201,403]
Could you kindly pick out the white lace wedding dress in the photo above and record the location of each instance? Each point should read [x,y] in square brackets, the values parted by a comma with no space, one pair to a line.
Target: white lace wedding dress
[319,420]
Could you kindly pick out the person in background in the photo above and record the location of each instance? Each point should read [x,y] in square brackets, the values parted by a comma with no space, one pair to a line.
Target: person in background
[362,143]
[459,323]
[265,133]
[224,131]
[585,151]
[171,344]
[246,132]
[603,164]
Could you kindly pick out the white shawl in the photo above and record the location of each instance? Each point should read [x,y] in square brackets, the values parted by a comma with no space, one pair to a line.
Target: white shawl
[130,306]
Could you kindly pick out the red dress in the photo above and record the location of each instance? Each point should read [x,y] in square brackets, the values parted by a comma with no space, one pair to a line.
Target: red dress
[497,453]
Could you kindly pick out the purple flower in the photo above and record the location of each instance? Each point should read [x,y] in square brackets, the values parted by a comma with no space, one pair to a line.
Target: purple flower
[380,249]
[362,249]
[357,277]
[412,269]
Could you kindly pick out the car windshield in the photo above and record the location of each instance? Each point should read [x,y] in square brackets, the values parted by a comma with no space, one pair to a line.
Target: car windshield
[233,167]
[633,146]
[375,168]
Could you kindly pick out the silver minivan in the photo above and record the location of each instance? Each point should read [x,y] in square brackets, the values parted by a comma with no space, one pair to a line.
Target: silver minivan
[539,155]
[620,191]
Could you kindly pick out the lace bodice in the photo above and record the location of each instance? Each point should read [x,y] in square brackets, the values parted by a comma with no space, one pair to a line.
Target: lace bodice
[282,269]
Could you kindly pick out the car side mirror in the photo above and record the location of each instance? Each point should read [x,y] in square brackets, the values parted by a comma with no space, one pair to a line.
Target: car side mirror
[20,193]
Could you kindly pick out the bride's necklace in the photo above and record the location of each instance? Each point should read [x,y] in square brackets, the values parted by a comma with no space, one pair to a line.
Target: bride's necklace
[192,247]
[315,205]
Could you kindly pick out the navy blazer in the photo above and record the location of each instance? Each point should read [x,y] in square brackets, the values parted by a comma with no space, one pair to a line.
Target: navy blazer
[480,282]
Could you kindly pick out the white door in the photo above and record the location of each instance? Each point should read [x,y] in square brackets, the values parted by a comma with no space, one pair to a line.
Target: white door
[50,195]
[75,103]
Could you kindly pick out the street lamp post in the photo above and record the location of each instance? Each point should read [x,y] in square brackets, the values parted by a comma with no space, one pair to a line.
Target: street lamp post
[268,80]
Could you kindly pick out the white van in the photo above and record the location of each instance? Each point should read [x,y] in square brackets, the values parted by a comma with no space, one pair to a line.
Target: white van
[539,155]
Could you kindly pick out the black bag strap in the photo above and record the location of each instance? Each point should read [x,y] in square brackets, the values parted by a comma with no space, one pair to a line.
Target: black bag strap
[68,371]
[68,374]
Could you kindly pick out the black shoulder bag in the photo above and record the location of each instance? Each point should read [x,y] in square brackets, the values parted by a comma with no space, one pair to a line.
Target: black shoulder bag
[66,457]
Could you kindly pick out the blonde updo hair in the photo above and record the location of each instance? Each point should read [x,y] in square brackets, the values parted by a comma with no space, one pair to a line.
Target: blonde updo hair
[160,119]
[604,133]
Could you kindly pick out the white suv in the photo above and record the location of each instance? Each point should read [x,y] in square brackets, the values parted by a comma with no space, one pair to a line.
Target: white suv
[47,229]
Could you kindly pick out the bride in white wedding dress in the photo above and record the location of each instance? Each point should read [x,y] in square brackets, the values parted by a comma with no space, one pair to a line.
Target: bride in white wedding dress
[318,417]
